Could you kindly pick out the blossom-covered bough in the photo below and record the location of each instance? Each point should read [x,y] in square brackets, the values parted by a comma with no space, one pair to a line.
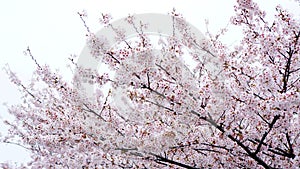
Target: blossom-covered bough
[138,103]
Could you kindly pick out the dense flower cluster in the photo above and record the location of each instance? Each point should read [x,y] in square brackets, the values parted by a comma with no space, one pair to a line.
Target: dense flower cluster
[159,113]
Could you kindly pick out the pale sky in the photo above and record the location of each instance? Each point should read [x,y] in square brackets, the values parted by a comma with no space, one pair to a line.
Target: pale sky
[53,31]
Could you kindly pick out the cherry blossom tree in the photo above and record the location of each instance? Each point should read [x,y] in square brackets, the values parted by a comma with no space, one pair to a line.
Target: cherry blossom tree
[233,109]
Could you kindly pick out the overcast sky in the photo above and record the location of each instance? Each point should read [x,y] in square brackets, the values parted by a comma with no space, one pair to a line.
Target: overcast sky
[53,31]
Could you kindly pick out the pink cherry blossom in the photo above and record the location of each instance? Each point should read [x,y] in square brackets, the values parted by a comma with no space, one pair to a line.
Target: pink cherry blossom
[150,110]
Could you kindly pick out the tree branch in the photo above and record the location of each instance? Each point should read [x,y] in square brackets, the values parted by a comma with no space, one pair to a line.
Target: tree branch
[164,159]
[266,133]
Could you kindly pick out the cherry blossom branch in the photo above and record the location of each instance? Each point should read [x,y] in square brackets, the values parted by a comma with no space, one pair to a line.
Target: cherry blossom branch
[173,78]
[287,68]
[92,111]
[118,33]
[287,72]
[144,86]
[18,144]
[199,150]
[277,151]
[32,57]
[290,146]
[262,118]
[169,74]
[154,91]
[160,105]
[276,117]
[167,160]
[295,70]
[260,97]
[15,80]
[83,21]
[238,142]
[110,54]
[217,146]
